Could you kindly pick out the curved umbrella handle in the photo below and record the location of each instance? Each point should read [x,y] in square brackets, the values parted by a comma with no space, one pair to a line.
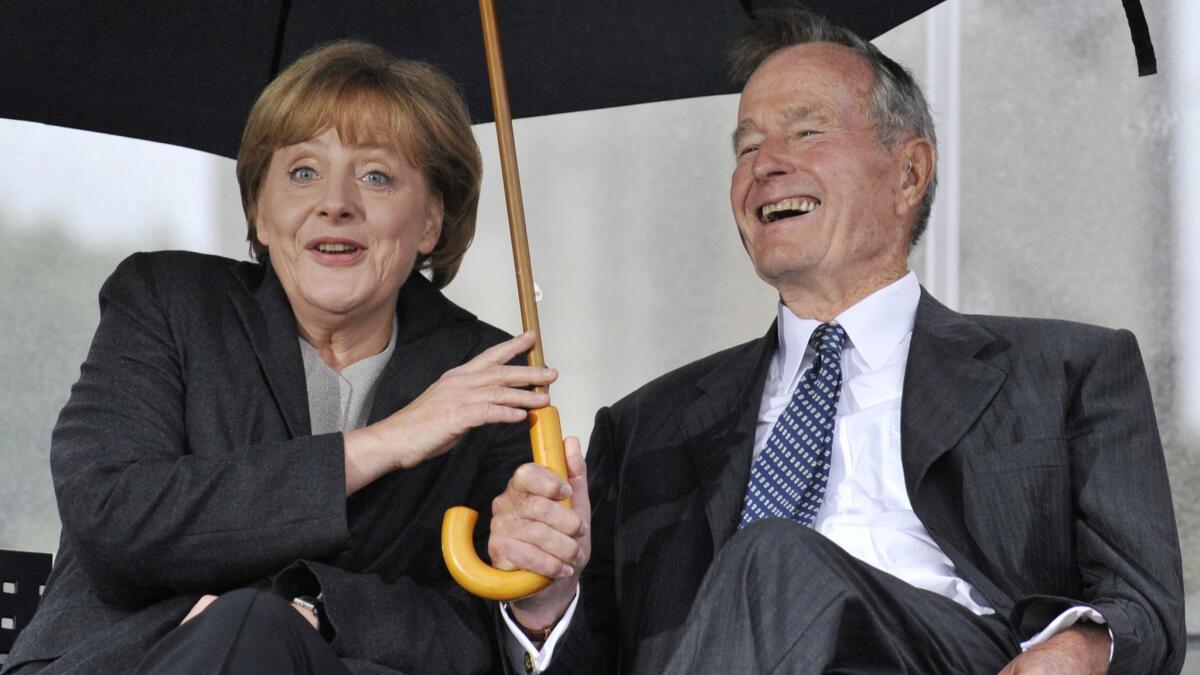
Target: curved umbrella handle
[458,526]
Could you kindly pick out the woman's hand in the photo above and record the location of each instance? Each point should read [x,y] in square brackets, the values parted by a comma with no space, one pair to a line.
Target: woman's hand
[532,530]
[481,391]
[203,603]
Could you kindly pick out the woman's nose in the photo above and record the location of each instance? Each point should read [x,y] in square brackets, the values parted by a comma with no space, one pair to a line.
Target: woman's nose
[340,203]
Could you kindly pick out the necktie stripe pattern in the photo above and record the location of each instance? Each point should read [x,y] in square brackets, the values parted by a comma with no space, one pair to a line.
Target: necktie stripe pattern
[788,479]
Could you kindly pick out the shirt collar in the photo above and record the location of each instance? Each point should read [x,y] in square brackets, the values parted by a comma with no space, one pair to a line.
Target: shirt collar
[875,325]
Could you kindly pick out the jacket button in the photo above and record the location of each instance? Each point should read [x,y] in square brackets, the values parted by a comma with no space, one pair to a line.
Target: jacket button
[528,663]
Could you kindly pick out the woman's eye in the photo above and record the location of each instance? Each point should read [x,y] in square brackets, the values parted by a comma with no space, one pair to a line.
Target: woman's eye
[303,174]
[377,178]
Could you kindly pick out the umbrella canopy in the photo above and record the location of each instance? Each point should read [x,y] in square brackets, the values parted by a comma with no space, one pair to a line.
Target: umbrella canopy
[187,72]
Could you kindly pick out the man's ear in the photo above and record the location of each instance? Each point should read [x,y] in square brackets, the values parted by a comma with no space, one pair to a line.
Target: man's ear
[918,160]
[433,225]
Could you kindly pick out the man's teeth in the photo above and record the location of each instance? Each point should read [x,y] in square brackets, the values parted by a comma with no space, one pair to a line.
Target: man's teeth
[336,248]
[786,208]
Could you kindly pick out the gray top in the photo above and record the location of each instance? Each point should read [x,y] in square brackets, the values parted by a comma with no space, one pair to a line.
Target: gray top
[342,401]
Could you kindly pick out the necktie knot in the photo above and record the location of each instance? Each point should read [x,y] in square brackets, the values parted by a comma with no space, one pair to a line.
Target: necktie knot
[828,340]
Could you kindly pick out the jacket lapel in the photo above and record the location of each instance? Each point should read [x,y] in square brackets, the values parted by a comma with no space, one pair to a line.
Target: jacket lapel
[946,388]
[432,339]
[718,428]
[271,326]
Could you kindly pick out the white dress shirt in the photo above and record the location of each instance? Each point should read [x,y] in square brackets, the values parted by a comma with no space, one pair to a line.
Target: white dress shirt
[866,509]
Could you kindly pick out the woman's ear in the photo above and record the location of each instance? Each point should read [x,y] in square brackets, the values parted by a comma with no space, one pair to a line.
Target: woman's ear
[435,215]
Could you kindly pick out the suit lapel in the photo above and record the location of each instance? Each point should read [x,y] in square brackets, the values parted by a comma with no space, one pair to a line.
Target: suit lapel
[718,428]
[271,326]
[432,339]
[946,388]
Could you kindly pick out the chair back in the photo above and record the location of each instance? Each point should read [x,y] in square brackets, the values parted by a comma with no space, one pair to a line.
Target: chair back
[22,577]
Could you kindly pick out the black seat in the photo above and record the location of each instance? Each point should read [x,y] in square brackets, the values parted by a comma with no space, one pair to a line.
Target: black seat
[22,578]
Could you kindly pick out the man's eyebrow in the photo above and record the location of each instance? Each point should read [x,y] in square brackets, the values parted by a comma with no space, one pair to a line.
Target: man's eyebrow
[744,127]
[805,113]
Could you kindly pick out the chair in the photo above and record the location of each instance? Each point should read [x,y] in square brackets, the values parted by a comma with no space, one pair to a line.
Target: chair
[22,577]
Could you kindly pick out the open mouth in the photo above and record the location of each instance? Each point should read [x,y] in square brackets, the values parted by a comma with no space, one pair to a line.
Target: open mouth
[338,248]
[787,208]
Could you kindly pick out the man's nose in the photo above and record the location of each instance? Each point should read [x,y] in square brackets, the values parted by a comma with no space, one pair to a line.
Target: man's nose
[340,202]
[770,160]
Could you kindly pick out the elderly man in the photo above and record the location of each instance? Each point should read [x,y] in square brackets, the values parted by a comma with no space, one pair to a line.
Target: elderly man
[879,484]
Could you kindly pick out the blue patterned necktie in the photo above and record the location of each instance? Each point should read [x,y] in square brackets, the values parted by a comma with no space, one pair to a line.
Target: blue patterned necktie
[788,478]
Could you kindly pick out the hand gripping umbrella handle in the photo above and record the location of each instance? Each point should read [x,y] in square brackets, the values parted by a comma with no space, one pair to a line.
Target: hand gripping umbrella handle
[458,544]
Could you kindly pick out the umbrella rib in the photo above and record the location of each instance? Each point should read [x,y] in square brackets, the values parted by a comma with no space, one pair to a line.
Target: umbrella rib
[1140,31]
[285,10]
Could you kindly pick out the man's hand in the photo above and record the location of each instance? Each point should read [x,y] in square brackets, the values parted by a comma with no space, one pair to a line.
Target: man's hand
[531,530]
[1081,649]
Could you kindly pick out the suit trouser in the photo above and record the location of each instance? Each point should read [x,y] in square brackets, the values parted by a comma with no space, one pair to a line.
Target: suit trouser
[780,598]
[245,631]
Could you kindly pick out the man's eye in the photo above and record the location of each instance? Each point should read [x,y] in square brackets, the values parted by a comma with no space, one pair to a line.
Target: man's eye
[808,132]
[747,150]
[303,174]
[377,178]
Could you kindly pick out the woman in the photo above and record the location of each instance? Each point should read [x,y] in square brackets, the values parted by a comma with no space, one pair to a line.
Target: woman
[257,450]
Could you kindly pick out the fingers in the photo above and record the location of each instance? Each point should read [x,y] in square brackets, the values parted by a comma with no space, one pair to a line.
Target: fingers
[538,481]
[577,477]
[537,548]
[532,530]
[502,353]
[201,605]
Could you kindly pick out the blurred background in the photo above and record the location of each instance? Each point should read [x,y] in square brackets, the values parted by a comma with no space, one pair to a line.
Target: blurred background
[1070,188]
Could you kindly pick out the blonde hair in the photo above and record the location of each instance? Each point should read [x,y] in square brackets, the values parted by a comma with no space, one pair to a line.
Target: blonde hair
[363,92]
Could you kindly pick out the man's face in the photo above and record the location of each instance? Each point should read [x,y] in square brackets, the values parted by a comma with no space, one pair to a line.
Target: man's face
[817,198]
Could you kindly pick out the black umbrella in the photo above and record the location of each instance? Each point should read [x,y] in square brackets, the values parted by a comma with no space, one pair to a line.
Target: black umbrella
[187,73]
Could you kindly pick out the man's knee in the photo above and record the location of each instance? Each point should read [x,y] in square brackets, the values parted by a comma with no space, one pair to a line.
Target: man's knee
[780,538]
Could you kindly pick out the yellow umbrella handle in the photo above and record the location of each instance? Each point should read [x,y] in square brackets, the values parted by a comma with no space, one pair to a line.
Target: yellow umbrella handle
[458,544]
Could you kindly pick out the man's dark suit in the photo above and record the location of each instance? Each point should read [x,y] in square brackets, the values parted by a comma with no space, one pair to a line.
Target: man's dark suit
[184,465]
[1030,452]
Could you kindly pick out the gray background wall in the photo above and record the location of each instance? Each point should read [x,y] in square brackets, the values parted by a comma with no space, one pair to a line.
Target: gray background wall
[1070,197]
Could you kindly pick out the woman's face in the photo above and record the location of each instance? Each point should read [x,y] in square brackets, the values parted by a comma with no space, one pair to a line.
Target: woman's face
[344,225]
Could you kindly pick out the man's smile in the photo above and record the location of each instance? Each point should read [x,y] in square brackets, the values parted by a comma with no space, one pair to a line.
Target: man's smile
[788,207]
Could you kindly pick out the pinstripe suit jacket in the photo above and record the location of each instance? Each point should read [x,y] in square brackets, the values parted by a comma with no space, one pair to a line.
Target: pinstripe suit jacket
[1030,453]
[183,465]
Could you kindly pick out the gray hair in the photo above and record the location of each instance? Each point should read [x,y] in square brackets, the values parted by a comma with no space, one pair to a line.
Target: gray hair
[897,103]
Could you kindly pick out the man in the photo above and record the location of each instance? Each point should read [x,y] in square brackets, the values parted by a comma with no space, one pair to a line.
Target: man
[879,484]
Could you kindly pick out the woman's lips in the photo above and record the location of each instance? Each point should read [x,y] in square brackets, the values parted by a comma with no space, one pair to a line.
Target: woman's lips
[336,253]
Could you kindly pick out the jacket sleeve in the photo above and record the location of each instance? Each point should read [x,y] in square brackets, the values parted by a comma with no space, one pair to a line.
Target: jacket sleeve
[1126,544]
[591,643]
[147,516]
[419,625]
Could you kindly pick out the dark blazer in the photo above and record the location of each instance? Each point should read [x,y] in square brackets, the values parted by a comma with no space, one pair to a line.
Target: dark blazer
[1031,455]
[183,464]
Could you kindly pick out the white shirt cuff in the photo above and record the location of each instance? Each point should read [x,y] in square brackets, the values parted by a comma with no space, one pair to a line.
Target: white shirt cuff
[521,650]
[1064,621]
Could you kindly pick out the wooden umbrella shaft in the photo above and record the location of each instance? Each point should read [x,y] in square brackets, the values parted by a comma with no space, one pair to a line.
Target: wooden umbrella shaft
[512,181]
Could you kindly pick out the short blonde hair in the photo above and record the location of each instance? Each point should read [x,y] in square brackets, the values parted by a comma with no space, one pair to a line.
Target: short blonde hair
[361,90]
